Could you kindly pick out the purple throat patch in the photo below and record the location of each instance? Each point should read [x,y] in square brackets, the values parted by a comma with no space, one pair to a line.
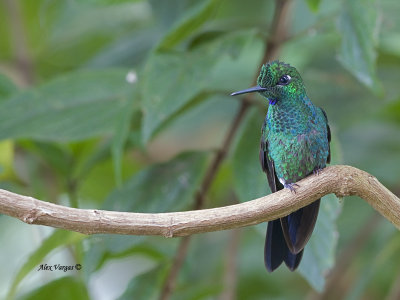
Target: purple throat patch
[272,101]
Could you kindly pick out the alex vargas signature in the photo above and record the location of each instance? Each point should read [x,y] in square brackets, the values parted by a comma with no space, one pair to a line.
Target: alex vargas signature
[58,267]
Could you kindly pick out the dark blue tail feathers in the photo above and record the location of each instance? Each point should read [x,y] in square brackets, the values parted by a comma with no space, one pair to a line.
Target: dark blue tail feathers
[276,251]
[287,237]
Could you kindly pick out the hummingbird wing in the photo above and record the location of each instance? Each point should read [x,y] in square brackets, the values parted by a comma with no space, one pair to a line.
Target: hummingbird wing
[276,250]
[328,129]
[267,163]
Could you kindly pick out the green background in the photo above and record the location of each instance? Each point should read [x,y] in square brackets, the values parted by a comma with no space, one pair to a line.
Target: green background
[76,132]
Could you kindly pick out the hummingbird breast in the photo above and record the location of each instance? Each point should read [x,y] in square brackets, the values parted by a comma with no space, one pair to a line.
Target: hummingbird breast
[298,146]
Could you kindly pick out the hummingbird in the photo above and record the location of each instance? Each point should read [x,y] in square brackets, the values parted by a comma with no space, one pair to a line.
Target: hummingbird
[295,143]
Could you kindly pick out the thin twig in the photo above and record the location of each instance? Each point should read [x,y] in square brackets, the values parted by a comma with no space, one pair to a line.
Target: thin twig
[220,155]
[23,59]
[340,180]
[177,263]
[230,275]
[277,33]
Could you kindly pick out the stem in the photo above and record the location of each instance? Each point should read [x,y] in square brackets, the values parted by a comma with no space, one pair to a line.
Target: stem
[23,59]
[230,276]
[177,263]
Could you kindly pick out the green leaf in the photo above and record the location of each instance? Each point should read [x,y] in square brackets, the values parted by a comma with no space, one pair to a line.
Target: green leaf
[7,87]
[313,5]
[120,138]
[76,106]
[65,288]
[169,82]
[146,286]
[159,188]
[198,267]
[250,180]
[57,239]
[379,263]
[358,28]
[319,254]
[186,26]
[131,48]
[204,268]
[162,187]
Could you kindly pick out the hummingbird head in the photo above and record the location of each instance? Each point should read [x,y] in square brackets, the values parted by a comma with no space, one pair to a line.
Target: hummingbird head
[276,81]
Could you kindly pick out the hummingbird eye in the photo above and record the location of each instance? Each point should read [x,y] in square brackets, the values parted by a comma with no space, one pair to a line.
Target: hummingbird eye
[284,80]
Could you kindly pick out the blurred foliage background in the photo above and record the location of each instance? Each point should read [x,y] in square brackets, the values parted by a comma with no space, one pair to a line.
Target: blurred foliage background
[123,105]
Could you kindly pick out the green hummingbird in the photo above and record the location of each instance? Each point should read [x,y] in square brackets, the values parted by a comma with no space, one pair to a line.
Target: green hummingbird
[295,142]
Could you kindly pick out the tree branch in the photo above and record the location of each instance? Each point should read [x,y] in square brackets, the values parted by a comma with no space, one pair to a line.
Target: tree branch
[340,180]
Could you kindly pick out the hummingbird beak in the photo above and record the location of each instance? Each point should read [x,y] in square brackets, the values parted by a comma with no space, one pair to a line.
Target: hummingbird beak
[250,90]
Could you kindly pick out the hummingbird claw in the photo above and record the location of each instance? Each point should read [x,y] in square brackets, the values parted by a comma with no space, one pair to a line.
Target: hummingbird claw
[317,170]
[291,186]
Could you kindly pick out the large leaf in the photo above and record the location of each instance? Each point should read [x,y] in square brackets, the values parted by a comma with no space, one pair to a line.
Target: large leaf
[7,87]
[319,254]
[86,26]
[120,138]
[199,267]
[130,49]
[203,265]
[191,21]
[159,188]
[250,180]
[358,27]
[146,286]
[380,265]
[65,288]
[171,80]
[57,239]
[76,106]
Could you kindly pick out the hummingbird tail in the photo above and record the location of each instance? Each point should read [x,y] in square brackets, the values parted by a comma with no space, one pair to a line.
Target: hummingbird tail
[292,261]
[276,251]
[287,237]
[275,246]
[299,225]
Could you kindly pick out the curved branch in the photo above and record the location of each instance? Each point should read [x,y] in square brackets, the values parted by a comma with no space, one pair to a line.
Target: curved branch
[340,180]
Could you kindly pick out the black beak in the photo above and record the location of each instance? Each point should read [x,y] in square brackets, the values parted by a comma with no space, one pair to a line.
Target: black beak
[250,90]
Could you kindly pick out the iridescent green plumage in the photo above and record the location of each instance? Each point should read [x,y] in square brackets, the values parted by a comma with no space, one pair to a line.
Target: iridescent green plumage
[296,130]
[294,144]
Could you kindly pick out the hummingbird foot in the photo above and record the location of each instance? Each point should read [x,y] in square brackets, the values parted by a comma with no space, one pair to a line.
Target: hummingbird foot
[317,170]
[291,186]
